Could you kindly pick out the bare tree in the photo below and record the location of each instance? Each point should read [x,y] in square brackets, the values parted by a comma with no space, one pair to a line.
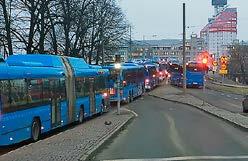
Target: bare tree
[7,21]
[80,28]
[239,62]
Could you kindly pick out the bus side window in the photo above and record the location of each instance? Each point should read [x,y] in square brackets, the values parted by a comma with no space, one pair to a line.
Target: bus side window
[35,94]
[79,87]
[4,95]
[18,93]
[62,88]
[86,86]
[46,90]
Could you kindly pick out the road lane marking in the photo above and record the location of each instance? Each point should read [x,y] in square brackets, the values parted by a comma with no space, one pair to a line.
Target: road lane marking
[174,135]
[134,113]
[186,158]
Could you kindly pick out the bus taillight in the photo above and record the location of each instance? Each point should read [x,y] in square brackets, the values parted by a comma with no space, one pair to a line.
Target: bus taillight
[112,91]
[105,94]
[124,83]
[147,81]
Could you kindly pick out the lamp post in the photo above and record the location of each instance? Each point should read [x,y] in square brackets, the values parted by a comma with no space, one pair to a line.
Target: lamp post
[118,69]
[184,48]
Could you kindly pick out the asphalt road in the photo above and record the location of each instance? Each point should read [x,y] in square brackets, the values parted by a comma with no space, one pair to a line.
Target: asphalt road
[227,101]
[164,129]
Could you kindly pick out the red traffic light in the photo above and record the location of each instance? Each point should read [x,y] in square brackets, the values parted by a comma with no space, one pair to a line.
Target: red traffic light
[204,60]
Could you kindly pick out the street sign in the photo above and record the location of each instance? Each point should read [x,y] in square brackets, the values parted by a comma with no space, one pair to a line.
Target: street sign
[223,72]
[215,63]
[223,65]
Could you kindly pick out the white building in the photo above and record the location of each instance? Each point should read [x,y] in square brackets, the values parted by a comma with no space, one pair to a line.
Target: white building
[220,32]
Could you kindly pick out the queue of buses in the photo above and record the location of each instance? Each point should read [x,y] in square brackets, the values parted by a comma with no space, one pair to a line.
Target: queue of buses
[39,93]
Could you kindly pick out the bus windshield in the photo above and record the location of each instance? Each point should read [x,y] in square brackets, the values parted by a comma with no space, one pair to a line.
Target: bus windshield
[175,68]
[194,67]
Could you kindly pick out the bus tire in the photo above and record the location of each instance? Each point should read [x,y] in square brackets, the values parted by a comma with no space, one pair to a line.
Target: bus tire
[35,130]
[81,115]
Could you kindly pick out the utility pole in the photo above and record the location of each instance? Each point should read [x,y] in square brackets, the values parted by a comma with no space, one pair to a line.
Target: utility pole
[130,42]
[184,51]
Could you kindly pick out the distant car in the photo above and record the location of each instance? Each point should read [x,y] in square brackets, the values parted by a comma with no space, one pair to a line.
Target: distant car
[245,104]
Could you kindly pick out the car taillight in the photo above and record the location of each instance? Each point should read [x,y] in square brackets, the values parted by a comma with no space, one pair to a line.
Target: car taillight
[154,76]
[169,75]
[147,80]
[161,73]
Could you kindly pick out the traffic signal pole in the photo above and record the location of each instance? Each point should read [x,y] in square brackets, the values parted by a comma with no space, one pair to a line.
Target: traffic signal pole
[119,93]
[204,86]
[184,51]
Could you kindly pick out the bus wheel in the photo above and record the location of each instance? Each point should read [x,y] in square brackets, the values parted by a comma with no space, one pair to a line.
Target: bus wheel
[35,130]
[81,115]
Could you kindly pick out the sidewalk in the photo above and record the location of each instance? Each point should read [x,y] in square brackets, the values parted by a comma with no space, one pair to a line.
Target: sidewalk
[73,144]
[173,94]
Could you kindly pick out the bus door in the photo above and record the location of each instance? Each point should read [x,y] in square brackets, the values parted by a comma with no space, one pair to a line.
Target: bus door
[92,96]
[55,103]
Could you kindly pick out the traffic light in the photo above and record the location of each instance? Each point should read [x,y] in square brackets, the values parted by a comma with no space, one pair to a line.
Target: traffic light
[205,61]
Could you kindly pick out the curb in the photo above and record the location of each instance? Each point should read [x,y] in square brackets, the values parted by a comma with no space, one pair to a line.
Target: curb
[91,152]
[229,85]
[222,118]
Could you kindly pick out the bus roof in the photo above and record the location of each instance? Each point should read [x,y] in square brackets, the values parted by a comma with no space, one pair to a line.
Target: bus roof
[35,60]
[16,72]
[125,66]
[43,60]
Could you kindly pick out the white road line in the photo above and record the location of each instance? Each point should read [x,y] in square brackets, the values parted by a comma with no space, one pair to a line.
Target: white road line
[236,98]
[134,113]
[228,96]
[187,158]
[222,94]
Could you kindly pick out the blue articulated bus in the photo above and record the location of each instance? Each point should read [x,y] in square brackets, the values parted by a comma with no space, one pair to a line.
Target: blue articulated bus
[132,80]
[40,93]
[194,74]
[151,76]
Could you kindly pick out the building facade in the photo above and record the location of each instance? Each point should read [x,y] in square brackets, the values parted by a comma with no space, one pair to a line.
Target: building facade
[220,32]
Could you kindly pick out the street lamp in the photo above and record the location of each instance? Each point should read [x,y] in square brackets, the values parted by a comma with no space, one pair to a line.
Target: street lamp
[118,66]
[118,69]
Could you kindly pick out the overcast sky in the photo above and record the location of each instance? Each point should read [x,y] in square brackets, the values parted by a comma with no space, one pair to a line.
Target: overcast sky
[164,17]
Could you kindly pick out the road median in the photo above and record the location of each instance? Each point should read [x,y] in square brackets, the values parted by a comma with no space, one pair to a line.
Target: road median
[173,94]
